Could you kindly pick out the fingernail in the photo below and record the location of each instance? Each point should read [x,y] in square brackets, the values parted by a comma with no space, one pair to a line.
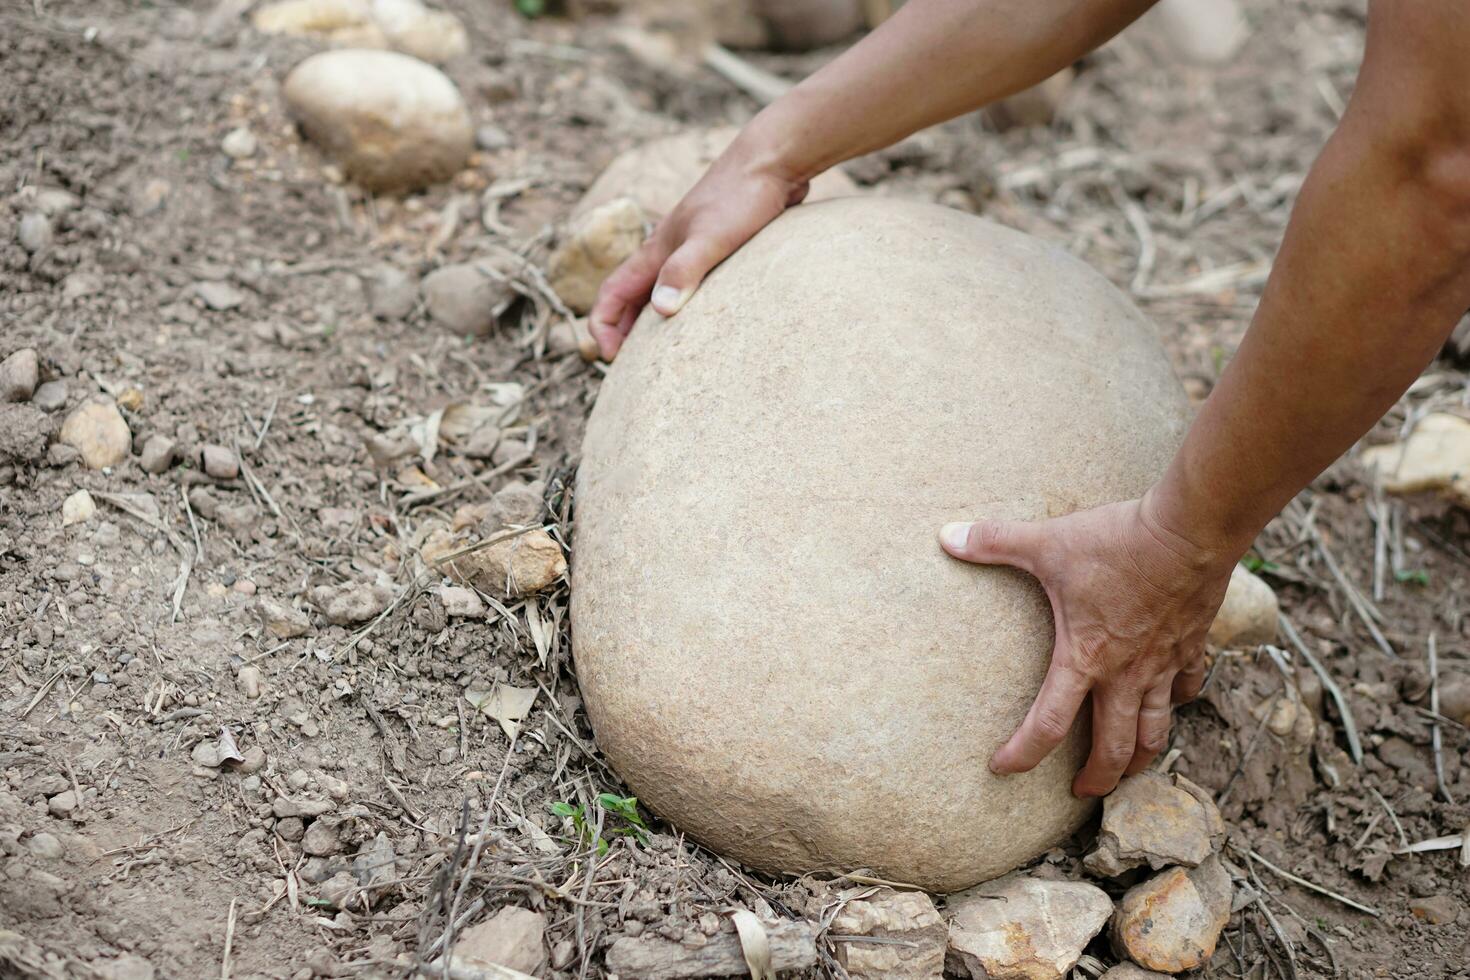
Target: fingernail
[955,536]
[667,300]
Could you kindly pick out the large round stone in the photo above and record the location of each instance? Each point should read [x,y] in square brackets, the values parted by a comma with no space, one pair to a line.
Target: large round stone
[775,653]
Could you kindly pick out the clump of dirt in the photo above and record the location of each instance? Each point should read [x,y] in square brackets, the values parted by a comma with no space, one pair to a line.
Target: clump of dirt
[198,764]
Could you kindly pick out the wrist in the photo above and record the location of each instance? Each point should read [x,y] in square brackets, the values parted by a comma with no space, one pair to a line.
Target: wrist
[1195,531]
[774,146]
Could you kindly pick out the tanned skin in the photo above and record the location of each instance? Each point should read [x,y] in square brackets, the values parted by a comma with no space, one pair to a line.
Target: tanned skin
[1372,274]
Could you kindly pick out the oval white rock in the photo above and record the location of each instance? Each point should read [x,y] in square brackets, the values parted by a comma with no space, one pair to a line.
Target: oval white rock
[776,654]
[393,122]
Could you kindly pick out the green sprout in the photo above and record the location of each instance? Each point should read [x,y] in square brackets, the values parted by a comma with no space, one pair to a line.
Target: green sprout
[1414,576]
[1257,564]
[618,808]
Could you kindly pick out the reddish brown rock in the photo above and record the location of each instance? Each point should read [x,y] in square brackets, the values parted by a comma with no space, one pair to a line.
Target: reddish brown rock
[1172,921]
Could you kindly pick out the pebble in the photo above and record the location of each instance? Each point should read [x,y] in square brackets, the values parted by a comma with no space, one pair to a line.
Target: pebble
[35,232]
[52,201]
[513,938]
[1132,971]
[126,967]
[62,804]
[78,509]
[596,243]
[1437,910]
[44,845]
[393,122]
[1454,696]
[461,603]
[338,890]
[321,839]
[97,430]
[244,587]
[50,396]
[239,143]
[1172,921]
[206,754]
[374,868]
[290,828]
[281,621]
[1249,614]
[285,806]
[508,450]
[19,374]
[248,680]
[568,336]
[913,934]
[1435,456]
[515,568]
[253,762]
[218,295]
[392,293]
[1155,819]
[350,603]
[492,138]
[467,298]
[219,462]
[59,455]
[1024,927]
[517,503]
[436,36]
[158,454]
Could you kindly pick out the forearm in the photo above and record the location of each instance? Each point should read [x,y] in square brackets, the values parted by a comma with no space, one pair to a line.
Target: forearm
[1372,275]
[933,60]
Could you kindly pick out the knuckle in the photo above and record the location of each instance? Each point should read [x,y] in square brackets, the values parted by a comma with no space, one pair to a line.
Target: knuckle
[1115,752]
[1050,725]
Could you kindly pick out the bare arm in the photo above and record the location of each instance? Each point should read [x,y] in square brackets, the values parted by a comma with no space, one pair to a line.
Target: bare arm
[932,61]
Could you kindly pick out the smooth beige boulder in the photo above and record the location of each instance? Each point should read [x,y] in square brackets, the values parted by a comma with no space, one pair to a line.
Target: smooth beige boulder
[392,122]
[657,174]
[775,653]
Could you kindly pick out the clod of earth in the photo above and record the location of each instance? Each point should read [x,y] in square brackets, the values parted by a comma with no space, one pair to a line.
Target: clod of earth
[912,935]
[1454,696]
[350,603]
[657,174]
[516,504]
[78,509]
[373,867]
[96,429]
[23,433]
[1172,921]
[1435,456]
[512,567]
[596,243]
[392,122]
[461,603]
[248,679]
[19,375]
[280,620]
[1157,820]
[512,937]
[679,485]
[793,947]
[1024,928]
[468,298]
[1249,614]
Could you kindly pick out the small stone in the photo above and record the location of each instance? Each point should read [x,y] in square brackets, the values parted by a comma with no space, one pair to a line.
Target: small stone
[62,804]
[58,455]
[338,891]
[322,839]
[290,828]
[1131,971]
[468,298]
[1172,921]
[1454,696]
[50,396]
[1248,615]
[1024,928]
[52,201]
[285,806]
[336,788]
[218,295]
[206,754]
[1205,32]
[158,454]
[517,503]
[19,374]
[239,143]
[44,845]
[568,336]
[96,429]
[1435,456]
[515,567]
[351,603]
[1411,762]
[916,933]
[1437,910]
[253,762]
[282,621]
[392,293]
[435,36]
[219,462]
[126,967]
[248,680]
[492,138]
[461,603]
[596,243]
[509,450]
[77,509]
[373,867]
[512,938]
[35,232]
[1158,820]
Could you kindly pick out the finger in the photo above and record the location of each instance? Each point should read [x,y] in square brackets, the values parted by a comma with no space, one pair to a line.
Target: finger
[1189,681]
[623,295]
[994,542]
[685,270]
[1154,716]
[1114,734]
[1047,723]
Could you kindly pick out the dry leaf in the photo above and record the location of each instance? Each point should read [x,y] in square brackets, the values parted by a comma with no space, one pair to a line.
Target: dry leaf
[228,750]
[507,705]
[754,943]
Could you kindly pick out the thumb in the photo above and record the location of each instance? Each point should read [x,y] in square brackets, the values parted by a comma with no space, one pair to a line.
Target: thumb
[1013,543]
[684,271]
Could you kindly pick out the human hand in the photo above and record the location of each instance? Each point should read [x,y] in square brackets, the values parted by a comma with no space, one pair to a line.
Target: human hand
[1132,600]
[742,192]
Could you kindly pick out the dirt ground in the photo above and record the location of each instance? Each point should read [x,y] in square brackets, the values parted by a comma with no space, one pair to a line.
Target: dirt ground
[125,637]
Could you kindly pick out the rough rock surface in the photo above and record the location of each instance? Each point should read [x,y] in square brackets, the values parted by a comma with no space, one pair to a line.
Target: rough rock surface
[793,947]
[657,174]
[1024,928]
[96,429]
[698,422]
[596,243]
[1248,615]
[1158,820]
[512,567]
[350,603]
[393,122]
[1172,921]
[916,934]
[511,937]
[1435,456]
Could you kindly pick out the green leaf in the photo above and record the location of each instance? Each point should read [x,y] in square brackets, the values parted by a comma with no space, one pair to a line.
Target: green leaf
[531,8]
[1414,576]
[1257,564]
[565,809]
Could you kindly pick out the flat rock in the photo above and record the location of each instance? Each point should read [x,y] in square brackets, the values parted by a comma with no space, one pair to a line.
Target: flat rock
[1024,928]
[282,621]
[1172,921]
[594,245]
[793,947]
[19,375]
[374,867]
[1437,910]
[1248,616]
[97,430]
[915,934]
[514,567]
[392,122]
[1434,457]
[512,937]
[350,603]
[322,839]
[1156,820]
[468,298]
